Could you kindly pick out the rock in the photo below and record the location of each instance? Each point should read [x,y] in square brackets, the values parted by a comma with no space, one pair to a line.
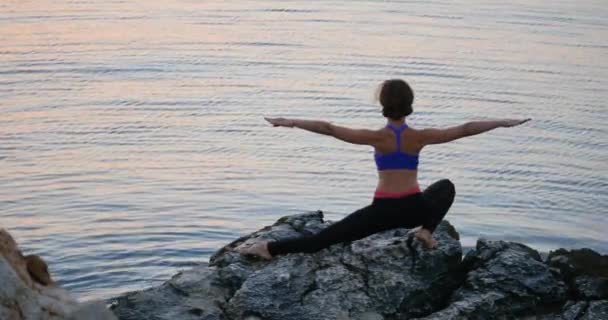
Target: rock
[573,310]
[193,294]
[28,292]
[591,288]
[13,257]
[384,276]
[596,310]
[371,274]
[38,269]
[584,310]
[503,280]
[584,270]
[371,278]
[380,277]
[576,262]
[91,311]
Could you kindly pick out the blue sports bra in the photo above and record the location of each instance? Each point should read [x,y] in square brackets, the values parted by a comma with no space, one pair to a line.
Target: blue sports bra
[396,160]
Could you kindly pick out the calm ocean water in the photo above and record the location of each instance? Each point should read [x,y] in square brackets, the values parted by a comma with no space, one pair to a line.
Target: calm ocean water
[132,143]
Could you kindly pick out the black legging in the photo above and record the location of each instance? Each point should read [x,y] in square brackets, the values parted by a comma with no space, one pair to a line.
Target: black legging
[425,209]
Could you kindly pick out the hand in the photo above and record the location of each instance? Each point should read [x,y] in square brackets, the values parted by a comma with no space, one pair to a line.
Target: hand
[280,122]
[513,122]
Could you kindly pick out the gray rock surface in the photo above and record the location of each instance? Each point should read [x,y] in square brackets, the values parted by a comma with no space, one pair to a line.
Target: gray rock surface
[382,277]
[372,278]
[194,294]
[574,309]
[377,278]
[596,310]
[505,280]
[584,310]
[591,288]
[584,271]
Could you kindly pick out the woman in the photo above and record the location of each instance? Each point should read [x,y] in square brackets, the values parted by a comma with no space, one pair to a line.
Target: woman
[398,201]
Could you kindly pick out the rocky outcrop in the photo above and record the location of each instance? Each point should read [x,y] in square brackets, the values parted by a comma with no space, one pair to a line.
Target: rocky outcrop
[370,275]
[585,273]
[503,279]
[384,276]
[371,278]
[379,277]
[27,291]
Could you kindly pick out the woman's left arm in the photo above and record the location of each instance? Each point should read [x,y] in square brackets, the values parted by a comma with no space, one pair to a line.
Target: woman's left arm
[355,136]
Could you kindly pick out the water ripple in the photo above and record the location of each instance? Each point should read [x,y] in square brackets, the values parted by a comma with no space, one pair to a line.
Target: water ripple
[133,143]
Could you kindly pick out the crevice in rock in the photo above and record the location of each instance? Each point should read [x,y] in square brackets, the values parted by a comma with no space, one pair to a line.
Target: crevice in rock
[457,278]
[547,310]
[223,306]
[439,295]
[361,272]
[196,311]
[583,311]
[14,306]
[413,253]
[312,287]
[20,312]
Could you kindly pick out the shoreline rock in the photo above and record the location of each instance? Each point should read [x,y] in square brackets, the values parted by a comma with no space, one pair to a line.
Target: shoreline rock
[386,276]
[27,291]
[380,277]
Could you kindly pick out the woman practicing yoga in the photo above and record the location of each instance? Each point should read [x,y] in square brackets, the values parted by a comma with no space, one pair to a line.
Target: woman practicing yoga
[398,202]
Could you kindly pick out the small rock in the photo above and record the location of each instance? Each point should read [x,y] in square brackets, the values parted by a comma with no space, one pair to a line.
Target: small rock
[597,310]
[572,263]
[28,292]
[591,288]
[573,310]
[584,271]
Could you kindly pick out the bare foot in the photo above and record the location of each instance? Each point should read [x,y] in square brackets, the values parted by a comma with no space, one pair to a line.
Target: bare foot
[259,249]
[425,236]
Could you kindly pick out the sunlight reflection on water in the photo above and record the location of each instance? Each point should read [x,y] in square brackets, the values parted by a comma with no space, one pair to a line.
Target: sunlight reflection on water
[132,142]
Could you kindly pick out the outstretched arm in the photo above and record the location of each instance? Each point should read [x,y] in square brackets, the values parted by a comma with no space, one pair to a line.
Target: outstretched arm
[436,136]
[355,136]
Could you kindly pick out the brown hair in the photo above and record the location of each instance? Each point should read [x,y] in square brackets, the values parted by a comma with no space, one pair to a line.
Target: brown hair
[396,98]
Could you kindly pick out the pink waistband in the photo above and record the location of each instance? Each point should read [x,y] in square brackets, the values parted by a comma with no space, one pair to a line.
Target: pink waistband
[393,195]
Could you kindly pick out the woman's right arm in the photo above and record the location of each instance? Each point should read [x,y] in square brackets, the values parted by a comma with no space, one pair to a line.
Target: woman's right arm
[436,136]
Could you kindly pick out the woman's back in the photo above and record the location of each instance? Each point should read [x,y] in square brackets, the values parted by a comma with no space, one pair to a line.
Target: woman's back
[397,140]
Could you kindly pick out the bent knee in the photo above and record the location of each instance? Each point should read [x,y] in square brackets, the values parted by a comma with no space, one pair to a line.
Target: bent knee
[442,191]
[447,185]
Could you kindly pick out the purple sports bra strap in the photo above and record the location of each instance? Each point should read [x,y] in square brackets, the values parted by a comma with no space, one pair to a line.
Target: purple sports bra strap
[397,134]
